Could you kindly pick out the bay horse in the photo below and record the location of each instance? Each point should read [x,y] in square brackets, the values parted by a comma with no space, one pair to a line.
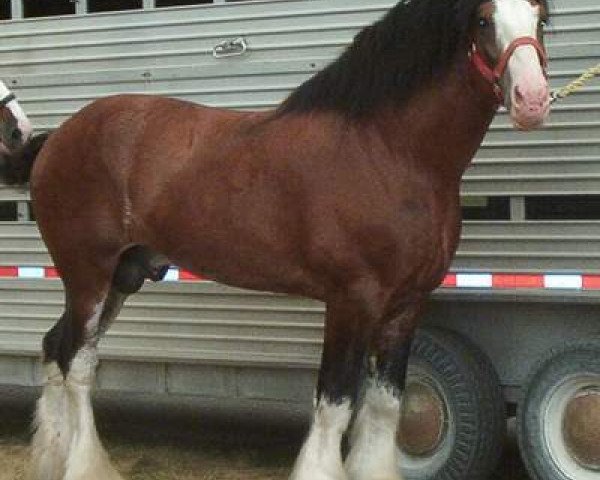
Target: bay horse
[347,193]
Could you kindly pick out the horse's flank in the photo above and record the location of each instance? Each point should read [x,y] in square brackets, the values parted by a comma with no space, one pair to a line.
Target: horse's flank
[260,200]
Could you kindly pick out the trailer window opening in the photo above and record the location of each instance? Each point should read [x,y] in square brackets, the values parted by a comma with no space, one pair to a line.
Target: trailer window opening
[563,207]
[8,211]
[175,3]
[485,208]
[46,8]
[113,5]
[5,10]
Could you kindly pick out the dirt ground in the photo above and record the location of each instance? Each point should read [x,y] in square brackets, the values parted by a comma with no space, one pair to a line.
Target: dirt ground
[152,439]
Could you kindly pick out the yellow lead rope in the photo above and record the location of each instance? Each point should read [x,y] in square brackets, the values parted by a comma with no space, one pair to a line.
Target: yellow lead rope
[576,84]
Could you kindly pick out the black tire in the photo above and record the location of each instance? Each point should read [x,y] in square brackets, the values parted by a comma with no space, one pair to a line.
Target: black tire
[471,442]
[562,377]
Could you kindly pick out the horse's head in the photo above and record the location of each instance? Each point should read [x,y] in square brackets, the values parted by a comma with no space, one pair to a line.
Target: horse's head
[509,52]
[15,127]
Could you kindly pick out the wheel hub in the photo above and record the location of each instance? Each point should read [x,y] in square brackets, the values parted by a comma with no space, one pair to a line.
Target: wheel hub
[423,420]
[581,427]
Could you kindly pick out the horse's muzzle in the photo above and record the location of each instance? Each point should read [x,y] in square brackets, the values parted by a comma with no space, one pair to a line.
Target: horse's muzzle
[530,103]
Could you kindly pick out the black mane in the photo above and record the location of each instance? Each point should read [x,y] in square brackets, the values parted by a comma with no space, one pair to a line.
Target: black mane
[416,42]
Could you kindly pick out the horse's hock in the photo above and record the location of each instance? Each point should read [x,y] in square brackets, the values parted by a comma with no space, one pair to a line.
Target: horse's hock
[515,326]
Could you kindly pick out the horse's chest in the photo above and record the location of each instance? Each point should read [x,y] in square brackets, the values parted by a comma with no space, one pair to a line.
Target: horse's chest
[422,243]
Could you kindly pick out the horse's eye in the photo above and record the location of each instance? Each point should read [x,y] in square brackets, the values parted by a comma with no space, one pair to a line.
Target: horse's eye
[543,23]
[484,22]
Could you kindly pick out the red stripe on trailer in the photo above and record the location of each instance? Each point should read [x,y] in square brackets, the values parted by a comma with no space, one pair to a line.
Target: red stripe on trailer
[189,276]
[51,272]
[504,281]
[9,272]
[517,281]
[499,280]
[591,282]
[529,281]
[449,281]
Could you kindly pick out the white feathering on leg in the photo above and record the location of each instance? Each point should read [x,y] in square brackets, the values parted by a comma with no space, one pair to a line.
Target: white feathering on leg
[320,457]
[87,458]
[53,427]
[66,445]
[373,454]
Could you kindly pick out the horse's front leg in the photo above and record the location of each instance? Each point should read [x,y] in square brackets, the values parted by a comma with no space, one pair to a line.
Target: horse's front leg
[374,454]
[342,369]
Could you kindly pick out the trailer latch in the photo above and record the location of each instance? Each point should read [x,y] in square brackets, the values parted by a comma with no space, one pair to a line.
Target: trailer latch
[230,48]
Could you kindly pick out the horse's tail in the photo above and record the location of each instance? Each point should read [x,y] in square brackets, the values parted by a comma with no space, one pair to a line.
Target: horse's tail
[16,166]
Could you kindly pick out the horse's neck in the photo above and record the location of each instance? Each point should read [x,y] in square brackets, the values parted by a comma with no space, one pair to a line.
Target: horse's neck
[442,126]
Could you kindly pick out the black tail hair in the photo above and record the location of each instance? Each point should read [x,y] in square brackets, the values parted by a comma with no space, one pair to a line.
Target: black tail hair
[15,167]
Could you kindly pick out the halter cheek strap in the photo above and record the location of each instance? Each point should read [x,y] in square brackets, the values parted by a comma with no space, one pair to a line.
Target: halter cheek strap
[494,75]
[6,100]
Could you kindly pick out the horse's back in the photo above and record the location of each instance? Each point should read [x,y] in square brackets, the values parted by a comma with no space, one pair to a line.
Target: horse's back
[116,137]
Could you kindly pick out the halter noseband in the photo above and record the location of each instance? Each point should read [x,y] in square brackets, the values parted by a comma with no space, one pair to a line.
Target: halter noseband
[6,100]
[494,75]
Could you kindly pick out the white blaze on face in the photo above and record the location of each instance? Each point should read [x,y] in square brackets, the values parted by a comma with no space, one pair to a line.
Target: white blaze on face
[526,87]
[23,123]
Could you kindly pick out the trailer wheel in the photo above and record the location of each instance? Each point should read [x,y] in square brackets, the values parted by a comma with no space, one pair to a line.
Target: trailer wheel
[558,422]
[453,416]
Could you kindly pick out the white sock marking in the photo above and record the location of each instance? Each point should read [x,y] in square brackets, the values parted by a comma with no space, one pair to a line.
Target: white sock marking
[374,455]
[87,458]
[66,445]
[320,457]
[53,428]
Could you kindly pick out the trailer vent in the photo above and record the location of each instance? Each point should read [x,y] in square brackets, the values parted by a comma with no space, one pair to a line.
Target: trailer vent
[485,208]
[45,8]
[563,207]
[8,211]
[113,5]
[175,3]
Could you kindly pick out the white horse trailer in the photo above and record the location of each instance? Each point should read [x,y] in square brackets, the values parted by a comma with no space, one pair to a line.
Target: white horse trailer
[517,320]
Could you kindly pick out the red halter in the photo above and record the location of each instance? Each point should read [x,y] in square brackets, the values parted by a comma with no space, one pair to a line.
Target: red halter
[493,75]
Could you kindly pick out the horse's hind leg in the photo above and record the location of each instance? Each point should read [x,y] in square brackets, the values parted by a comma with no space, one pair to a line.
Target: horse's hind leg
[373,454]
[65,444]
[87,458]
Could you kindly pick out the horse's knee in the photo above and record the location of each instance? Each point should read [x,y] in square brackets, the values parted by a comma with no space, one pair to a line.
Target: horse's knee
[353,315]
[78,326]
